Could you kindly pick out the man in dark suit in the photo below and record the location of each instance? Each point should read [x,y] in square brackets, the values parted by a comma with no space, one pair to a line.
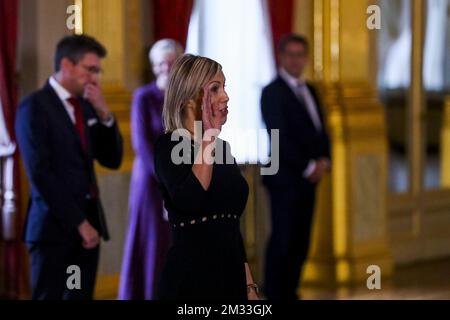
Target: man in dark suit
[61,129]
[291,105]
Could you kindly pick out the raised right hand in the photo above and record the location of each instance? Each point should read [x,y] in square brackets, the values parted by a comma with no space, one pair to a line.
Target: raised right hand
[210,118]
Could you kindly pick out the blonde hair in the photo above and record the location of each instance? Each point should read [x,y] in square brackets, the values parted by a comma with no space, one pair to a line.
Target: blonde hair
[188,76]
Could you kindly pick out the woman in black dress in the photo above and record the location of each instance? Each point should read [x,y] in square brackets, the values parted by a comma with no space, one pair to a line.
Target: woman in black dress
[203,189]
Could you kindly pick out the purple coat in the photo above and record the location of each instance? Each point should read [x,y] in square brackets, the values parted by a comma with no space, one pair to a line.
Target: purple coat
[148,235]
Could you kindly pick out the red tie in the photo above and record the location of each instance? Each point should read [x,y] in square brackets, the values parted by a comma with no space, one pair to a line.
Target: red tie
[79,121]
[79,126]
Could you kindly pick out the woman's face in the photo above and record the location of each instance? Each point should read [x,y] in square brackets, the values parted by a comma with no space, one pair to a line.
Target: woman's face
[218,96]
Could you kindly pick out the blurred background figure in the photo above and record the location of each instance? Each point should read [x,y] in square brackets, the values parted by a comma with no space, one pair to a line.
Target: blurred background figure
[61,130]
[291,105]
[147,239]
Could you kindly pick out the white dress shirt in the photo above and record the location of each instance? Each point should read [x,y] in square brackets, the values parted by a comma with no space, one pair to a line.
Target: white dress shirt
[63,95]
[298,86]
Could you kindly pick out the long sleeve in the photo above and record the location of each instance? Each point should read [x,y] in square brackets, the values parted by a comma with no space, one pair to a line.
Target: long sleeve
[105,140]
[326,147]
[183,187]
[107,145]
[289,145]
[33,139]
[143,135]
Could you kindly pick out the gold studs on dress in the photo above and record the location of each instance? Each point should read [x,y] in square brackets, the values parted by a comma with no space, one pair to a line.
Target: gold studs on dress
[204,219]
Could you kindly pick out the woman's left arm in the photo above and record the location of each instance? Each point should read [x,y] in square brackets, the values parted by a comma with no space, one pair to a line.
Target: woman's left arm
[252,288]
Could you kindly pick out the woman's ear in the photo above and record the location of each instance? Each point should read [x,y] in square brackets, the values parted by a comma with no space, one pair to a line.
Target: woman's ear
[199,98]
[195,108]
[198,102]
[190,104]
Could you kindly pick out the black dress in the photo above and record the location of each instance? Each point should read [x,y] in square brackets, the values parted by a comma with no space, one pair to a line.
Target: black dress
[207,256]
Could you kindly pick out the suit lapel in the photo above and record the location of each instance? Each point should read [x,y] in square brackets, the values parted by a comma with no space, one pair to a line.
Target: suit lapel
[63,116]
[312,90]
[61,111]
[289,93]
[294,101]
[85,106]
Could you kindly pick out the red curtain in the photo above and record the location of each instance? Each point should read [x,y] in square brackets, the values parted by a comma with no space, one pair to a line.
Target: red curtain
[8,41]
[12,249]
[171,19]
[281,13]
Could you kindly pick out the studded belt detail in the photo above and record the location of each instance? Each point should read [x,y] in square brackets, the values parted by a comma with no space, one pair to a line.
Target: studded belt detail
[204,219]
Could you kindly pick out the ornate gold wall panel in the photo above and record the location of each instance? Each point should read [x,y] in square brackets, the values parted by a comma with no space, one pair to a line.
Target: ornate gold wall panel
[117,24]
[418,216]
[445,144]
[350,229]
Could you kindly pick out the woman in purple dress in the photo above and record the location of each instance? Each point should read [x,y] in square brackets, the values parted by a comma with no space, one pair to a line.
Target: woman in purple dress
[148,235]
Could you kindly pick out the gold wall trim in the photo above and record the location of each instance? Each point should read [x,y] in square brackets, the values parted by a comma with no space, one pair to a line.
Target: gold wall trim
[335,40]
[416,217]
[79,17]
[417,112]
[430,200]
[106,287]
[318,40]
[445,145]
[326,37]
[417,102]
